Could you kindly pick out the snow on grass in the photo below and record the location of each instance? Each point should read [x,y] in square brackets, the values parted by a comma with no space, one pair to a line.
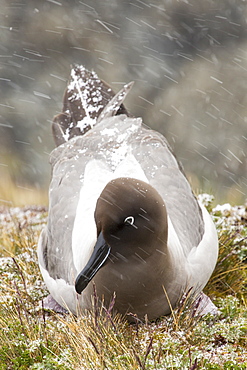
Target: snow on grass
[31,338]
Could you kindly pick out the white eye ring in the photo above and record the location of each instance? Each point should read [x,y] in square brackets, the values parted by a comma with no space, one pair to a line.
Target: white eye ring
[129,220]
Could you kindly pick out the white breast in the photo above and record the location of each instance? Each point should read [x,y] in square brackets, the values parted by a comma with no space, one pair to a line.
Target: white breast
[96,176]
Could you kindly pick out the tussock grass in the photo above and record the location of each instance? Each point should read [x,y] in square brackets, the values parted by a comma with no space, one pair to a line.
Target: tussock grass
[32,338]
[20,228]
[230,275]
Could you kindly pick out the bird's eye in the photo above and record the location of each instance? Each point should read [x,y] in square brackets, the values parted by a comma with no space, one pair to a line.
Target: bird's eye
[129,220]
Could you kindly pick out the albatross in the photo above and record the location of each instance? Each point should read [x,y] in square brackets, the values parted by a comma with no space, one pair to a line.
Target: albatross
[122,217]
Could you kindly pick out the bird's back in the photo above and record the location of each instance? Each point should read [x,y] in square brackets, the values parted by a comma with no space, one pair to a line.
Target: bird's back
[117,147]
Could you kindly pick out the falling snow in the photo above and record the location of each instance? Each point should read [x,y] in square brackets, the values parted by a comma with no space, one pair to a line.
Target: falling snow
[188,61]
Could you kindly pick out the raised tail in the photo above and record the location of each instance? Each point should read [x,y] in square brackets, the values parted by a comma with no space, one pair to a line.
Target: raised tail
[87,100]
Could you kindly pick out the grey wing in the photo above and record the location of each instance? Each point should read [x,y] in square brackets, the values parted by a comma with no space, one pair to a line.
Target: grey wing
[63,199]
[166,175]
[42,248]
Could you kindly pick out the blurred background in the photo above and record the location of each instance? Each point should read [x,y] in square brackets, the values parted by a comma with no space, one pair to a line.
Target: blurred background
[188,59]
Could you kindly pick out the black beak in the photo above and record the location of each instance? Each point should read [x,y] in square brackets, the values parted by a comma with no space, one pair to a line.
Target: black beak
[100,253]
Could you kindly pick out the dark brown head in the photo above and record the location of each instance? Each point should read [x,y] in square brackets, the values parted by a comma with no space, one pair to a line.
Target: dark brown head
[130,213]
[131,219]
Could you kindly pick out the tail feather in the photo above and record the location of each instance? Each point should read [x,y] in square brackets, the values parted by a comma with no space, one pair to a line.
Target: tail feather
[112,108]
[87,100]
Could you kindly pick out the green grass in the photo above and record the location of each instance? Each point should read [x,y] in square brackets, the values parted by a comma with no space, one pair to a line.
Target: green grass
[31,338]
